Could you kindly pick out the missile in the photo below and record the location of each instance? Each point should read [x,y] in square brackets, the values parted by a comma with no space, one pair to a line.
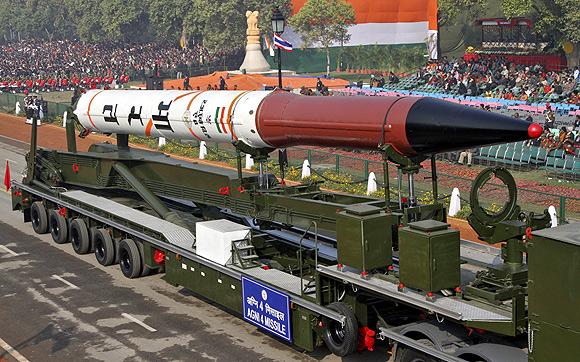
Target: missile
[276,119]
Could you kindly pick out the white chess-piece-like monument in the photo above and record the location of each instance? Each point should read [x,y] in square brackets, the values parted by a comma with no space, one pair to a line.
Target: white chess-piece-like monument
[254,62]
[372,183]
[553,216]
[202,150]
[454,202]
[305,169]
[249,161]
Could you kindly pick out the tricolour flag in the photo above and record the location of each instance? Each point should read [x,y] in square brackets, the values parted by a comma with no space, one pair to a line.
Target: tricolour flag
[385,22]
[269,46]
[281,43]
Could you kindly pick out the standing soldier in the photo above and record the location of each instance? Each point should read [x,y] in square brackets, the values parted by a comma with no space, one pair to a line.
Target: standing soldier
[28,104]
[36,104]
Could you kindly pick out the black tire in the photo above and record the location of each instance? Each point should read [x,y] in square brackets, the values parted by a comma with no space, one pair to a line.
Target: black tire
[408,354]
[39,217]
[130,259]
[104,247]
[92,233]
[58,227]
[341,340]
[146,270]
[79,236]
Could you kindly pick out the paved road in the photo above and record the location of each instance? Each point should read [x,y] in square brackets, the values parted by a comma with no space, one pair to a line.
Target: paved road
[56,305]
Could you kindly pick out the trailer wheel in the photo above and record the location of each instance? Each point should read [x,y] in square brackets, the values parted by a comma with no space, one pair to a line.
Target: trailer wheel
[146,270]
[340,339]
[408,354]
[92,233]
[104,247]
[130,259]
[58,227]
[39,217]
[79,236]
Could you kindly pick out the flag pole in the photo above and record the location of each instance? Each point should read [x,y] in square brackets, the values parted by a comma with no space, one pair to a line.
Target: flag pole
[279,68]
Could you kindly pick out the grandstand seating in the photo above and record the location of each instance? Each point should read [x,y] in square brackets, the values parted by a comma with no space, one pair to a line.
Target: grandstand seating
[416,86]
[514,155]
[522,157]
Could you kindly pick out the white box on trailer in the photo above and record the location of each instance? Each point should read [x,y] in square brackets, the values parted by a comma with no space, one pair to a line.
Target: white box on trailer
[214,239]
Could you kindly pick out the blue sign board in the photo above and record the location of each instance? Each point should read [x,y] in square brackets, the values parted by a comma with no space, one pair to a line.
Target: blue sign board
[267,308]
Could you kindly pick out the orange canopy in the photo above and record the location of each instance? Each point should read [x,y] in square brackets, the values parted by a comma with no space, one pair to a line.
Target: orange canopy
[252,82]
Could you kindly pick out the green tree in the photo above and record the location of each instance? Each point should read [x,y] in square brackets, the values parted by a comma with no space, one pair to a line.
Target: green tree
[217,25]
[449,10]
[166,18]
[558,20]
[324,22]
[123,20]
[33,18]
[8,16]
[82,15]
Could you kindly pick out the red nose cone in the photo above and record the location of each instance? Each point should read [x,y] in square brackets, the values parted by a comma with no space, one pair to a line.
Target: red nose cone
[534,130]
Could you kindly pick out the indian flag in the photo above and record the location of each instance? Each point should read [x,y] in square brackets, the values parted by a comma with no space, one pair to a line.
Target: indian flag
[387,21]
[219,119]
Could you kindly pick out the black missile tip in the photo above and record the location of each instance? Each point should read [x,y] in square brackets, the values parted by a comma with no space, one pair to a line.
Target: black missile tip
[436,126]
[535,130]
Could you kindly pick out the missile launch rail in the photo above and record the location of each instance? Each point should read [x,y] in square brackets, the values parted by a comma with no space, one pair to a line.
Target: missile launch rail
[391,271]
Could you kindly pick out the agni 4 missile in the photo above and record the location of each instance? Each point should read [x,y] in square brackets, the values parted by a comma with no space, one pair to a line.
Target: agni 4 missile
[275,119]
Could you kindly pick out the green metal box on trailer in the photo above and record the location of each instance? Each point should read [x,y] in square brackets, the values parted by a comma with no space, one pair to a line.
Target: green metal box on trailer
[554,293]
[429,256]
[364,238]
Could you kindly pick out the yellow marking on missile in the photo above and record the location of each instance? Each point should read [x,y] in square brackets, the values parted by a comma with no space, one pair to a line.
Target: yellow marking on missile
[183,95]
[188,106]
[192,99]
[229,119]
[89,111]
[148,129]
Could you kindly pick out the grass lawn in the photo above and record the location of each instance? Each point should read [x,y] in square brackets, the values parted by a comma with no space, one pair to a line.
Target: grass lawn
[57,97]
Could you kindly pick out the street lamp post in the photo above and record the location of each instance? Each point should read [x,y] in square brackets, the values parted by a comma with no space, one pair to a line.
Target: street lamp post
[278,23]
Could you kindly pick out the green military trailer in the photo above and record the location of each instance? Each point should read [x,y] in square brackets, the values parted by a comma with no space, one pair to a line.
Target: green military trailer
[314,267]
[554,277]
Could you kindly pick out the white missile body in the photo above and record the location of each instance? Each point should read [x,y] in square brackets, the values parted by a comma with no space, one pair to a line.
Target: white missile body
[218,116]
[276,119]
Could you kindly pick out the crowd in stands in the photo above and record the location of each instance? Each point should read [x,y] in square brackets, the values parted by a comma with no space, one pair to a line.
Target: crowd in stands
[498,78]
[562,138]
[42,65]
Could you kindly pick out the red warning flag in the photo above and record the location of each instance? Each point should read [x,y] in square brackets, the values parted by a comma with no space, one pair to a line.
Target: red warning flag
[7,176]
